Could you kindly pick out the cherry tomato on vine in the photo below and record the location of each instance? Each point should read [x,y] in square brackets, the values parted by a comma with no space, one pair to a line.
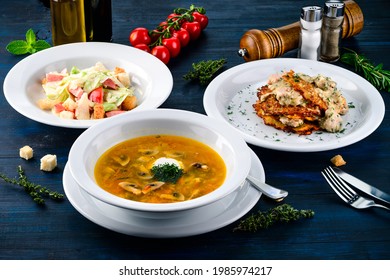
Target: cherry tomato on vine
[154,35]
[143,47]
[163,26]
[174,17]
[173,45]
[201,18]
[183,35]
[139,35]
[162,53]
[193,28]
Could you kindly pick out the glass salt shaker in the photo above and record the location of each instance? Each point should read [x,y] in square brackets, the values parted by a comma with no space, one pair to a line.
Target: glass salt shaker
[331,30]
[310,34]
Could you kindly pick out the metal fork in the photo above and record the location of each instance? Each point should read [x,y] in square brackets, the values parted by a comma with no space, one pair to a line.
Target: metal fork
[346,193]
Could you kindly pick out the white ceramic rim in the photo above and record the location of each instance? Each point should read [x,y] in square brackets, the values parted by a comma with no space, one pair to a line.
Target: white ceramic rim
[237,145]
[151,78]
[180,226]
[367,115]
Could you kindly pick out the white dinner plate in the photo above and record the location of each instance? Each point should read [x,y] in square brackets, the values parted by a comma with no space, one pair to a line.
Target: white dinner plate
[230,97]
[202,220]
[150,77]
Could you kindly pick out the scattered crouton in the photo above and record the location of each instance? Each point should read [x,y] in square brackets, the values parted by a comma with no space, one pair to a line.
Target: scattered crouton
[26,152]
[48,162]
[338,160]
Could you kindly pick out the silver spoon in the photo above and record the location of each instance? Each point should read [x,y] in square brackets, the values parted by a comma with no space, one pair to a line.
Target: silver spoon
[271,192]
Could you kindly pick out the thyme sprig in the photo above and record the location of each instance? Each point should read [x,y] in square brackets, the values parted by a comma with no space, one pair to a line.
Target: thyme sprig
[375,74]
[284,213]
[204,71]
[36,191]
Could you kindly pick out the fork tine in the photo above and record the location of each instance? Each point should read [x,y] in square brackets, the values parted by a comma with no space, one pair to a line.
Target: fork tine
[348,189]
[333,185]
[345,192]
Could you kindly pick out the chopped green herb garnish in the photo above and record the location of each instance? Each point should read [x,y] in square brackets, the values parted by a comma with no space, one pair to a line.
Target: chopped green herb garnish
[167,172]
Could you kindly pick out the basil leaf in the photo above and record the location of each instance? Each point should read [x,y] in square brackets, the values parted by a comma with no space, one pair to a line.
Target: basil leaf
[40,45]
[30,37]
[30,45]
[18,47]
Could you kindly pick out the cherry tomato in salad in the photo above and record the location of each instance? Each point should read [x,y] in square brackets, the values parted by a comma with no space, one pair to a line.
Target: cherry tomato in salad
[201,18]
[162,53]
[193,28]
[139,35]
[173,45]
[143,47]
[183,35]
[96,95]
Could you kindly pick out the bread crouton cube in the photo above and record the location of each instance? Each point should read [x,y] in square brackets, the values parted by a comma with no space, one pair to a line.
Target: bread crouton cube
[98,111]
[129,103]
[26,152]
[66,115]
[46,104]
[48,162]
[338,160]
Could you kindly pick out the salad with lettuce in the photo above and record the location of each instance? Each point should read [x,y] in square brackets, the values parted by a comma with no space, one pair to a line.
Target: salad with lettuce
[85,94]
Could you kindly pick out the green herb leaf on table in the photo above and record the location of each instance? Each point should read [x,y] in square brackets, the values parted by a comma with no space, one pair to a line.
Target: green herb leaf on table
[41,45]
[167,172]
[204,71]
[30,45]
[34,190]
[375,74]
[284,213]
[30,37]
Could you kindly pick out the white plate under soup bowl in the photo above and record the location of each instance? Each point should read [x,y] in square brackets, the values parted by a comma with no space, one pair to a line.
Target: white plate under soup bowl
[218,135]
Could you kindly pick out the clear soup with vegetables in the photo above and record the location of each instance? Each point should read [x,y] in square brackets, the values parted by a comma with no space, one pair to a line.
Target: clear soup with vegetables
[160,169]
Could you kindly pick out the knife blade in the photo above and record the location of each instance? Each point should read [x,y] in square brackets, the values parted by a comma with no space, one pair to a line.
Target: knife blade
[362,186]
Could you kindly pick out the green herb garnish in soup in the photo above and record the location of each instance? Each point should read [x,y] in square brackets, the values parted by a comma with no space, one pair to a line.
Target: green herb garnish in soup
[160,169]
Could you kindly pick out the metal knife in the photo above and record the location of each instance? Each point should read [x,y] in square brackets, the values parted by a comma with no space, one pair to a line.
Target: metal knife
[362,186]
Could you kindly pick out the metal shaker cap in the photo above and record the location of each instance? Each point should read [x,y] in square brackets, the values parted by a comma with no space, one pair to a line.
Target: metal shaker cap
[311,13]
[334,8]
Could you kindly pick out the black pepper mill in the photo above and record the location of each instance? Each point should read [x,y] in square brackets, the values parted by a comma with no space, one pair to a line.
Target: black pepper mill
[331,30]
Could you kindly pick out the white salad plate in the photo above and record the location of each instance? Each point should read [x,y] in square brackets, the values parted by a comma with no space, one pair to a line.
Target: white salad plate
[150,77]
[231,94]
[201,220]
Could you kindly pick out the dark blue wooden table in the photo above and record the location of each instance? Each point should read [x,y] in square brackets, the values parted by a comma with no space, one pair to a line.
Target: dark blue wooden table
[58,231]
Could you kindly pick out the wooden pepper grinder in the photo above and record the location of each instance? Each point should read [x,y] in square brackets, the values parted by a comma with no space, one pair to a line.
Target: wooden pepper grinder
[258,44]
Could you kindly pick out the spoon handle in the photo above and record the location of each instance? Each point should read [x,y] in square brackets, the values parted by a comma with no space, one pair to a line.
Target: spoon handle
[266,189]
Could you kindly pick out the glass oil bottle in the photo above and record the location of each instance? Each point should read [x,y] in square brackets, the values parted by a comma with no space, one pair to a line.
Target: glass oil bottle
[68,24]
[98,20]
